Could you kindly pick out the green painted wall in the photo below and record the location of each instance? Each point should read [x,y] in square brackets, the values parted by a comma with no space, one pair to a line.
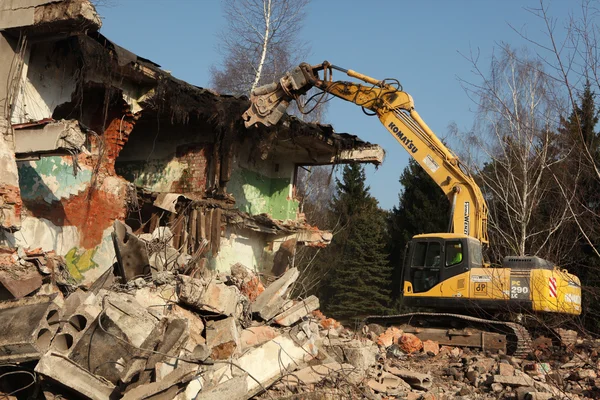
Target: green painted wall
[255,193]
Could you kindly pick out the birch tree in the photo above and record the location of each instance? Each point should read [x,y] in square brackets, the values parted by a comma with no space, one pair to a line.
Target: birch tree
[517,134]
[261,42]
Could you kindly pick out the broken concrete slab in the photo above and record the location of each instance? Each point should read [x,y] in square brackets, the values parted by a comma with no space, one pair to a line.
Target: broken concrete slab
[132,255]
[297,311]
[179,376]
[103,331]
[514,381]
[223,338]
[268,362]
[50,136]
[257,335]
[19,281]
[196,326]
[173,339]
[62,370]
[235,388]
[214,297]
[50,15]
[415,379]
[27,326]
[314,374]
[269,303]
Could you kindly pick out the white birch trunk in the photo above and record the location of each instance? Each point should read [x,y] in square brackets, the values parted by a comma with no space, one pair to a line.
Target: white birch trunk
[263,55]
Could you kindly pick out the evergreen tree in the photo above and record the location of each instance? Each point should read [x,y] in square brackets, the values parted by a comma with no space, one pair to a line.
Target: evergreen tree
[359,277]
[423,208]
[579,134]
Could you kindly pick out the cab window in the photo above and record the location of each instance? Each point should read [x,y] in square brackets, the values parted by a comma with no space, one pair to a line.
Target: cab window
[427,254]
[475,252]
[454,253]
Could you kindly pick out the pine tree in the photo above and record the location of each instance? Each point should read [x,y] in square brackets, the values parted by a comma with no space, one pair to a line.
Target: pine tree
[422,208]
[360,275]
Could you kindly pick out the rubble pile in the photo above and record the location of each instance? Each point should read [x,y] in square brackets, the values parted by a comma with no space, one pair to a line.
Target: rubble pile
[157,329]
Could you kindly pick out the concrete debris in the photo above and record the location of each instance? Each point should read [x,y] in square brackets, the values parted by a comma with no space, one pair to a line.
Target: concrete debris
[19,282]
[179,337]
[223,338]
[132,256]
[270,302]
[28,326]
[212,296]
[297,311]
[60,369]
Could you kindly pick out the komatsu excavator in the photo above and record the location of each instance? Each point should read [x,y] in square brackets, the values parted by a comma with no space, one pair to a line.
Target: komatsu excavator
[444,272]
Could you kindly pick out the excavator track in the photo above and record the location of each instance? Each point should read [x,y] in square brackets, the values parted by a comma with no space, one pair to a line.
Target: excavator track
[518,339]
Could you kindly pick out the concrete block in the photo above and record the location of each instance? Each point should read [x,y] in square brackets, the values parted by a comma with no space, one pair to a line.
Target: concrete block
[223,338]
[99,334]
[71,375]
[505,369]
[213,297]
[257,335]
[515,381]
[269,303]
[195,324]
[175,336]
[297,311]
[27,327]
[360,355]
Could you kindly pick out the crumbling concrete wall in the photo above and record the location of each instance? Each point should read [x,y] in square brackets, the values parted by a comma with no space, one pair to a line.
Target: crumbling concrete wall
[10,200]
[242,246]
[48,79]
[168,159]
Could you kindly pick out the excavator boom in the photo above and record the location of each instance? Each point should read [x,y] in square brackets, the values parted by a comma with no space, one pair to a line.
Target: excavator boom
[396,111]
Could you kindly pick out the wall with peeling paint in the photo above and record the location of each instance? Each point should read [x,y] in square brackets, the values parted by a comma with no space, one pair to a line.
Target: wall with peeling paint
[84,265]
[263,187]
[256,193]
[52,178]
[70,213]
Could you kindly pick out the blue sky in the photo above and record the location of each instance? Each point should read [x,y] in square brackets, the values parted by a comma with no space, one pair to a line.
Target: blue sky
[421,43]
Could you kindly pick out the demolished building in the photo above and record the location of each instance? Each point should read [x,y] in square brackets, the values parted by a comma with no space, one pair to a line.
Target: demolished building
[93,134]
[111,166]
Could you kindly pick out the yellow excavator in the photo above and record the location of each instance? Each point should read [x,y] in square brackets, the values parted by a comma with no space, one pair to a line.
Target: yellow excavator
[444,272]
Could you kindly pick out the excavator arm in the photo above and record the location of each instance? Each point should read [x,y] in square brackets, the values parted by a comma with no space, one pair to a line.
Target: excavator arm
[395,109]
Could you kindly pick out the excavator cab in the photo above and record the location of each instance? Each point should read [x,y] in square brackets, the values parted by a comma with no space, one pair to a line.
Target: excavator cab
[432,259]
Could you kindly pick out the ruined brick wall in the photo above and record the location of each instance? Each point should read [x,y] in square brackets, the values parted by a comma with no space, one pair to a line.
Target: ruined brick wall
[194,176]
